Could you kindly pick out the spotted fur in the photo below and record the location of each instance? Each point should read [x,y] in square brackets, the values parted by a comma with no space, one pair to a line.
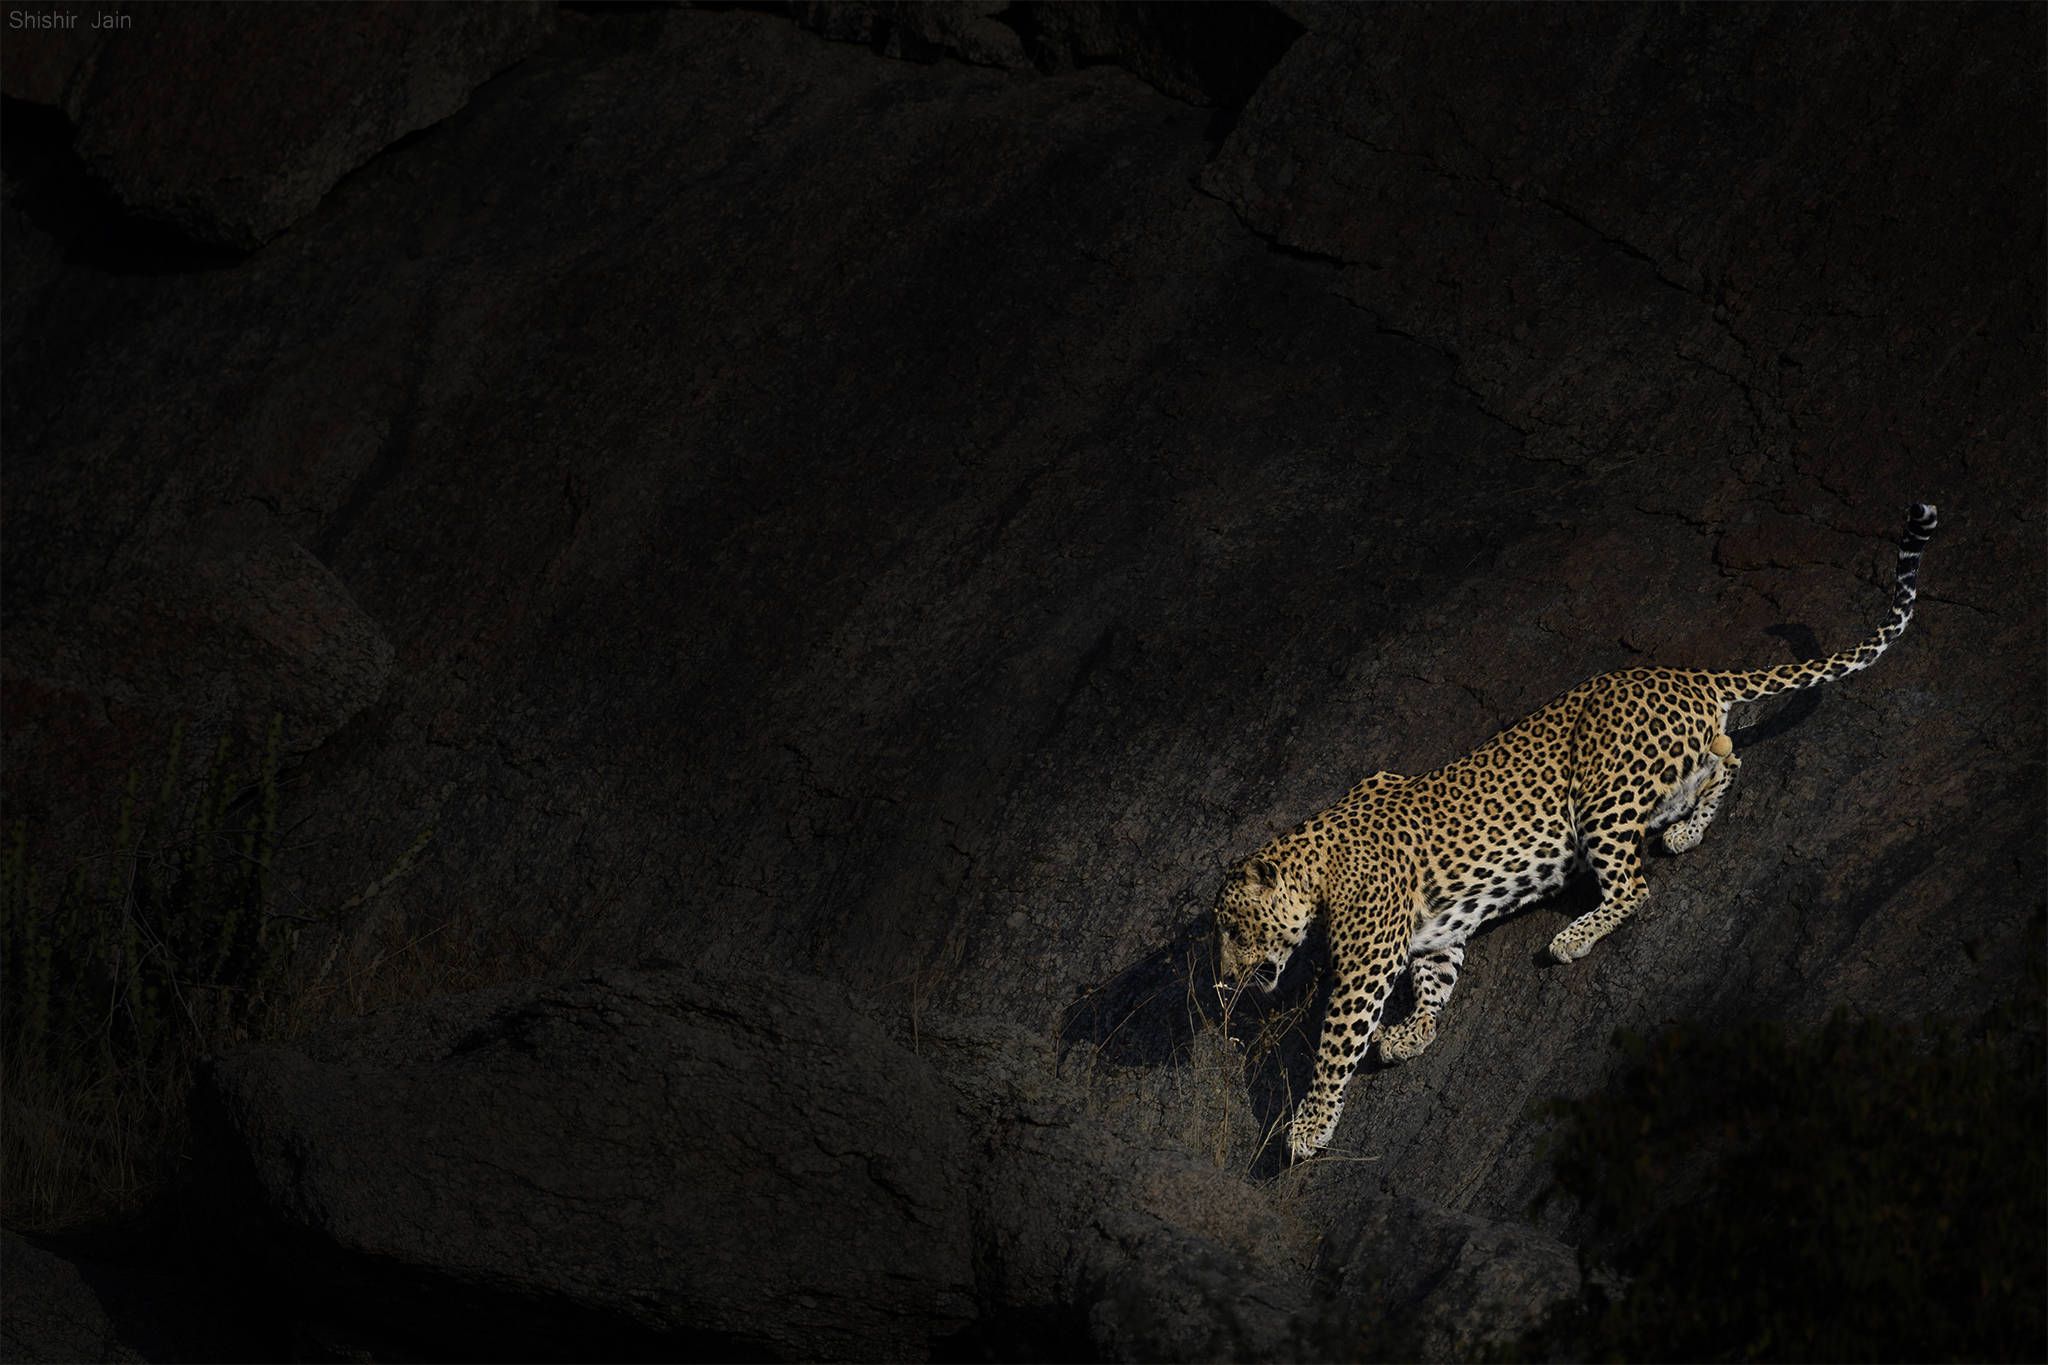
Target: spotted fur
[1407,868]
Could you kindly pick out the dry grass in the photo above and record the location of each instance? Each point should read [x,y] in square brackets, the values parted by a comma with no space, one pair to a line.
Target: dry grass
[92,1107]
[921,983]
[1235,1061]
[1202,1097]
[1211,1093]
[85,1152]
[75,1153]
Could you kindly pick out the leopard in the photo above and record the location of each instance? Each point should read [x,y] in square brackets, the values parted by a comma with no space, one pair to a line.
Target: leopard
[1405,869]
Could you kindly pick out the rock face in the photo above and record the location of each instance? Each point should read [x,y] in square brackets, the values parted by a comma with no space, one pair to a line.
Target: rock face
[1092,1246]
[752,1169]
[1214,53]
[637,1162]
[642,1163]
[232,122]
[52,1314]
[912,522]
[1444,1282]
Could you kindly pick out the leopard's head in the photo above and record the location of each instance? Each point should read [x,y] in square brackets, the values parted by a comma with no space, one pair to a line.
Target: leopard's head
[1262,919]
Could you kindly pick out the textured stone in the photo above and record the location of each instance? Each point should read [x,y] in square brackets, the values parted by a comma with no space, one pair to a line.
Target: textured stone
[1641,234]
[1208,54]
[1444,1284]
[752,1168]
[230,624]
[884,520]
[50,1313]
[748,1168]
[231,121]
[1140,1251]
[1215,53]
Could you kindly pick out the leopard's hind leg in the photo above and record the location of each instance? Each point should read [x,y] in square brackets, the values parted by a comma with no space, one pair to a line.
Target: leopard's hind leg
[1613,848]
[1434,973]
[1690,830]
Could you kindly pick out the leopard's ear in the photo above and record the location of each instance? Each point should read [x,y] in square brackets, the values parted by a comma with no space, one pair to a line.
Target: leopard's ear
[1263,874]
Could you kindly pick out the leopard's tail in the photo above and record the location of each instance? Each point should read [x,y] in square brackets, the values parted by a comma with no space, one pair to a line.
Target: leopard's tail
[1920,524]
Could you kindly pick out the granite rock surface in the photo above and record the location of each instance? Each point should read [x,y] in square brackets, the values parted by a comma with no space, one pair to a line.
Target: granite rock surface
[771,504]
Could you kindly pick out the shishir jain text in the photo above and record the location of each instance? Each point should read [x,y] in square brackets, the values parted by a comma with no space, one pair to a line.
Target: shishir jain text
[37,18]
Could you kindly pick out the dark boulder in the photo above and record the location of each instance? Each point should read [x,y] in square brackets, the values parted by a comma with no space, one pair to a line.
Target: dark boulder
[1128,1250]
[48,1310]
[1214,53]
[747,1169]
[231,121]
[1413,1279]
[752,1168]
[641,1163]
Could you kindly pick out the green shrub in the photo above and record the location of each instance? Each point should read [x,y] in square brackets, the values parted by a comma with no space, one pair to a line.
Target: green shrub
[1861,1191]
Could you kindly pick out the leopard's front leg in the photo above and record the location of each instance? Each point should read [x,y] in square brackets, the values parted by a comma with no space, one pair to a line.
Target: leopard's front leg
[1365,976]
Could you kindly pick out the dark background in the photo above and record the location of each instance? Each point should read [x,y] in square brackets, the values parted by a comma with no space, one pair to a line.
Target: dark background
[907,497]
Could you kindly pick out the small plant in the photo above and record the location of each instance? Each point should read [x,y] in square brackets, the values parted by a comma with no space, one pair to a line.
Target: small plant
[1225,1067]
[164,946]
[147,955]
[1247,1058]
[1861,1191]
[923,981]
[151,953]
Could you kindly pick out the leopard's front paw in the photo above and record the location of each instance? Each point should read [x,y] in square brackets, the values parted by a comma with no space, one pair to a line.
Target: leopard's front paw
[1308,1133]
[1570,947]
[1402,1041]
